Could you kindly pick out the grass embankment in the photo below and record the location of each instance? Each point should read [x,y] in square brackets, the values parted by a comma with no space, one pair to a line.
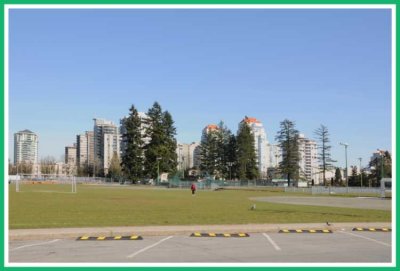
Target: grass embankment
[123,206]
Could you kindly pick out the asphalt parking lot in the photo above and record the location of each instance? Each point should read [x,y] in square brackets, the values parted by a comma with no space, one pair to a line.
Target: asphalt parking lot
[272,247]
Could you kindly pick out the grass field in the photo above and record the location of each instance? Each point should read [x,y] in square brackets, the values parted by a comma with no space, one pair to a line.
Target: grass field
[128,206]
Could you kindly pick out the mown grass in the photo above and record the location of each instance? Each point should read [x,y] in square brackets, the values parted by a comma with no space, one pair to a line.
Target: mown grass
[123,206]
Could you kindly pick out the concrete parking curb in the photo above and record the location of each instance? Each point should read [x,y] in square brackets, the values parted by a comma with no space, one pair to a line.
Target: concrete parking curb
[67,233]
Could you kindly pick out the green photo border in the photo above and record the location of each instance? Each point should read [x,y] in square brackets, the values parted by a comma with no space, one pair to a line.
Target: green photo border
[5,155]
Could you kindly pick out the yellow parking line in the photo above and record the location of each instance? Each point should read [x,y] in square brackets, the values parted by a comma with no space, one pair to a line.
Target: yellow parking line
[227,235]
[117,237]
[313,231]
[133,237]
[101,238]
[84,237]
[212,234]
[299,231]
[197,234]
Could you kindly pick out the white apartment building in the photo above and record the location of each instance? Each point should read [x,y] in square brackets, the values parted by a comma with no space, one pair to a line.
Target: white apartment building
[308,163]
[260,143]
[186,154]
[71,159]
[85,149]
[26,144]
[106,143]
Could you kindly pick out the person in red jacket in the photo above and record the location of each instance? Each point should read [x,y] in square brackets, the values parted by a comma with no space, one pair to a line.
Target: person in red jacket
[193,188]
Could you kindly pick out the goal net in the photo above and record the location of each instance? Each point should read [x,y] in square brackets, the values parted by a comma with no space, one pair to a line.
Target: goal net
[45,183]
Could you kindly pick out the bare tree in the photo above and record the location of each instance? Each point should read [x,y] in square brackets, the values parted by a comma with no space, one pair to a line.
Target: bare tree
[48,165]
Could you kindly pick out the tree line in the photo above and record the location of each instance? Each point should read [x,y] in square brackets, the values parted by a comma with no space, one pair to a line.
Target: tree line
[226,156]
[150,145]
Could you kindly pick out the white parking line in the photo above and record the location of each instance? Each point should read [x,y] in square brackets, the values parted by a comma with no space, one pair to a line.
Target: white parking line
[367,238]
[38,244]
[148,247]
[272,242]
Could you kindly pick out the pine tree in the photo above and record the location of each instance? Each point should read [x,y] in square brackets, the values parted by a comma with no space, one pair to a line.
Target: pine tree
[246,154]
[209,153]
[154,150]
[132,159]
[160,152]
[231,156]
[287,138]
[223,138]
[170,157]
[338,176]
[324,147]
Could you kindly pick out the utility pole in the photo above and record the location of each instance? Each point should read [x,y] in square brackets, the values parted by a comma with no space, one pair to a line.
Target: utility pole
[345,151]
[360,172]
[158,170]
[230,170]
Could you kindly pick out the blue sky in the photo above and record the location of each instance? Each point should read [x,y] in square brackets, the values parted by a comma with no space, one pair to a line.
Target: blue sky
[330,67]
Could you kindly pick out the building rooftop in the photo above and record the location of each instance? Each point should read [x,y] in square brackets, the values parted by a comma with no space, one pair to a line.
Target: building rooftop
[212,127]
[26,131]
[250,120]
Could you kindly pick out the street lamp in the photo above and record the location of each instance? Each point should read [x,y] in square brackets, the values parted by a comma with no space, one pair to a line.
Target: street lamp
[360,172]
[382,155]
[345,151]
[183,167]
[230,169]
[158,169]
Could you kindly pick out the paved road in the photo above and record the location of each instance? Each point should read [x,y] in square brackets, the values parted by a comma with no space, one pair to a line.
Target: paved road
[340,246]
[361,203]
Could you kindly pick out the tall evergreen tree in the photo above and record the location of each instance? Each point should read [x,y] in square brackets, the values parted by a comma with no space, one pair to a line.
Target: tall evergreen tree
[160,152]
[170,155]
[324,149]
[287,138]
[338,176]
[231,156]
[209,153]
[132,159]
[246,154]
[223,137]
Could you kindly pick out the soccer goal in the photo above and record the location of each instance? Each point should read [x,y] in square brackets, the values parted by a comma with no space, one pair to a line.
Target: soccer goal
[45,183]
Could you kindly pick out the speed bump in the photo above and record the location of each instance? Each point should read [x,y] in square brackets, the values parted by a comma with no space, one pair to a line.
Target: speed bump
[211,234]
[104,238]
[373,229]
[305,231]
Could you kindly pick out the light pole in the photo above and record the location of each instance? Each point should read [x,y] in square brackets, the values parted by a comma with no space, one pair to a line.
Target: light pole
[183,167]
[360,172]
[230,170]
[345,153]
[158,169]
[382,154]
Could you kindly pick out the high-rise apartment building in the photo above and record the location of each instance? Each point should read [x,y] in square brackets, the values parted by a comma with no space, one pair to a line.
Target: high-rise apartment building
[70,155]
[261,144]
[85,149]
[106,143]
[187,155]
[308,163]
[26,144]
[70,159]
